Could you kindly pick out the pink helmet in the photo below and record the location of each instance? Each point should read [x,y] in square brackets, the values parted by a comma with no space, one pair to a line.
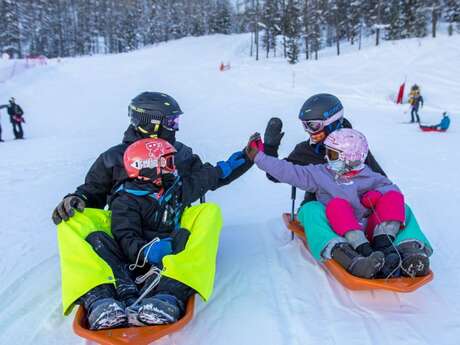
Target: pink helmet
[350,145]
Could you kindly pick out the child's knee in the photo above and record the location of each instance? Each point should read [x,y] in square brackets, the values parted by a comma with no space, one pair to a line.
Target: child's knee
[341,216]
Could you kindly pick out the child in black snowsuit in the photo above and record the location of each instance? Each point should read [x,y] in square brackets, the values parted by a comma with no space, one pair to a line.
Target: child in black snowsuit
[146,210]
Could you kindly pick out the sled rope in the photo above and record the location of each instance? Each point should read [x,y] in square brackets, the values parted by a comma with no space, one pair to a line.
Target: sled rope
[132,267]
[153,271]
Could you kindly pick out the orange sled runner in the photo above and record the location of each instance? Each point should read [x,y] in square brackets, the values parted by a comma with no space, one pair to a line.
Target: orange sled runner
[404,284]
[130,335]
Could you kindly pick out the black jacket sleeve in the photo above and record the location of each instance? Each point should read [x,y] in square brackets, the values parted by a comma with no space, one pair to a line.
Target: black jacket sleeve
[203,178]
[98,184]
[127,226]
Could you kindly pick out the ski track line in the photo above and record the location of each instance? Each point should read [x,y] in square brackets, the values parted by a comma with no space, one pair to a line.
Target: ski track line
[277,291]
[19,306]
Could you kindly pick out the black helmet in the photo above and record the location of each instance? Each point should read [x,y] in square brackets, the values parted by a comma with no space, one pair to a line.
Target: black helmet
[320,111]
[149,110]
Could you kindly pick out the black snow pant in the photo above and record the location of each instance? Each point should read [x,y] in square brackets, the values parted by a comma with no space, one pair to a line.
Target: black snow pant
[414,115]
[126,290]
[1,132]
[17,130]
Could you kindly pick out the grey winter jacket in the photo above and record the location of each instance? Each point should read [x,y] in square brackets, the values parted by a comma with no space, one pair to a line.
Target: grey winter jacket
[322,181]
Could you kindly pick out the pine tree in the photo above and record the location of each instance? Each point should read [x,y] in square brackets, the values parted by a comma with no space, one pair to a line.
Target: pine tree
[354,19]
[435,13]
[293,30]
[221,19]
[10,35]
[452,14]
[271,20]
[335,20]
[415,20]
[307,26]
[396,20]
[315,27]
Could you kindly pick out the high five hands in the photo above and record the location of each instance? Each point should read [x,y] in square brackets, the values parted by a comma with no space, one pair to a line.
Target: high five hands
[255,145]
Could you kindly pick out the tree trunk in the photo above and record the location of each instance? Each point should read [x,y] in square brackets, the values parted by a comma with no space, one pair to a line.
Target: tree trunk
[337,32]
[268,43]
[306,48]
[257,42]
[284,46]
[434,21]
[379,21]
[19,31]
[360,36]
[257,30]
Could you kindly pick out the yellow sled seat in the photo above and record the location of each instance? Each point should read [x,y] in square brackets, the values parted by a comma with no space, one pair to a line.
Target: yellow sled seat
[403,284]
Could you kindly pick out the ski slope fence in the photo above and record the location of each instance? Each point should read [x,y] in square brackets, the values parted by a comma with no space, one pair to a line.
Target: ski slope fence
[10,68]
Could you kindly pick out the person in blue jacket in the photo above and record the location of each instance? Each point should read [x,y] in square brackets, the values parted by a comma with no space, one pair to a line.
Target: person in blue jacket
[443,125]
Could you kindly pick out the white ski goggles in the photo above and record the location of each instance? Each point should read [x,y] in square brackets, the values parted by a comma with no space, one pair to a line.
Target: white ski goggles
[315,126]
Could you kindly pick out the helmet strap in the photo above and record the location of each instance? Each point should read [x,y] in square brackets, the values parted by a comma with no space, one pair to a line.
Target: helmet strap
[153,134]
[168,135]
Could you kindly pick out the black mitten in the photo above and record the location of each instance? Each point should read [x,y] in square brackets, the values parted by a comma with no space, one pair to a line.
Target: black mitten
[272,136]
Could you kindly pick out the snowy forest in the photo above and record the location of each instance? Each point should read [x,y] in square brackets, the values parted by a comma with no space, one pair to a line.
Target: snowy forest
[294,29]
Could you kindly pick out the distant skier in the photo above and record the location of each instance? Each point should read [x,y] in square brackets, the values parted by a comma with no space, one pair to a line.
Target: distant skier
[442,126]
[321,115]
[16,117]
[415,101]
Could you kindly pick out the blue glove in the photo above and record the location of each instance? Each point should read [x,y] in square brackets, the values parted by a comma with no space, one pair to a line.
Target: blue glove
[155,252]
[235,161]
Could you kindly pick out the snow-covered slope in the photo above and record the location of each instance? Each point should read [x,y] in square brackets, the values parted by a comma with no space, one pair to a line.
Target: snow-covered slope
[268,288]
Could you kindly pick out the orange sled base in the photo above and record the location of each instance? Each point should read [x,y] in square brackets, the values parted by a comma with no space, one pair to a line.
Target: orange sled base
[403,284]
[129,335]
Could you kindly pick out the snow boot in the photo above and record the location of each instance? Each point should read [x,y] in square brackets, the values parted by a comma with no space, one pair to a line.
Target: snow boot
[107,313]
[160,309]
[364,249]
[355,263]
[391,268]
[415,261]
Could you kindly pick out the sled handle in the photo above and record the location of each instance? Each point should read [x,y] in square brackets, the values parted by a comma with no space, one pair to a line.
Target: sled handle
[293,196]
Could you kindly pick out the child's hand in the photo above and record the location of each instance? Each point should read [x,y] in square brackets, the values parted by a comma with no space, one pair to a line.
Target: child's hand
[255,145]
[154,252]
